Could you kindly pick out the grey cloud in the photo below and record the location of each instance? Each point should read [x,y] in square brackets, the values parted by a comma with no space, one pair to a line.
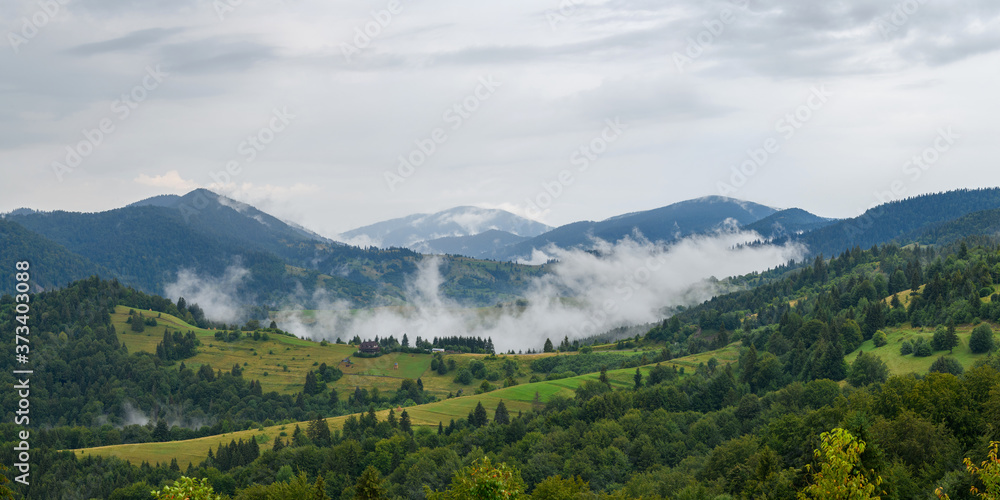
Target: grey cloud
[216,55]
[807,39]
[131,41]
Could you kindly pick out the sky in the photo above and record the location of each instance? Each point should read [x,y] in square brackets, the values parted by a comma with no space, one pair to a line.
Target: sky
[336,115]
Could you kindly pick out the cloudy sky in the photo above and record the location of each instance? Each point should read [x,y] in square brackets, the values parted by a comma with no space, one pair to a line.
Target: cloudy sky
[563,110]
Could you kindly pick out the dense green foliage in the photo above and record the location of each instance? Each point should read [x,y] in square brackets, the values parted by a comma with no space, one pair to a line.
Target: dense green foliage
[56,266]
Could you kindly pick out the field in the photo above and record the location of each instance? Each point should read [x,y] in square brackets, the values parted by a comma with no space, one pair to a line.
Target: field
[261,360]
[281,362]
[899,364]
[516,398]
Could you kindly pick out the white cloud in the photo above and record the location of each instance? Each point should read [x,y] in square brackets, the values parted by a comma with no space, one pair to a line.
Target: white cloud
[630,283]
[170,181]
[216,296]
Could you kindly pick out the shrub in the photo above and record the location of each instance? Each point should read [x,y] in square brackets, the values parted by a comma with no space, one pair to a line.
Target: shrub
[906,348]
[946,364]
[940,340]
[880,339]
[464,376]
[478,369]
[867,369]
[922,348]
[982,339]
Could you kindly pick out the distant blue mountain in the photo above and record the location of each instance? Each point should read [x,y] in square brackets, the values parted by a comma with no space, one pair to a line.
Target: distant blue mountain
[661,224]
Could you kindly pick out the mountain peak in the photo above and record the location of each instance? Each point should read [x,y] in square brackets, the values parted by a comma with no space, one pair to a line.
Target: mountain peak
[411,231]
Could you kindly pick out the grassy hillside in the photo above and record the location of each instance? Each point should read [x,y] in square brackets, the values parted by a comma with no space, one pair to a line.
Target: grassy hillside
[261,360]
[517,398]
[281,362]
[899,364]
[521,397]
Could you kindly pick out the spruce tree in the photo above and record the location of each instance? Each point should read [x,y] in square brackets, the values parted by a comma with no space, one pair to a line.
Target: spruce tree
[369,485]
[501,416]
[404,423]
[951,338]
[479,415]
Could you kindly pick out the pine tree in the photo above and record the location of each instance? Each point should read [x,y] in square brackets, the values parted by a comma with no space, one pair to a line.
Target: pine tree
[369,485]
[404,423]
[548,346]
[501,416]
[479,415]
[951,338]
[320,488]
[312,384]
[162,432]
[323,436]
[638,378]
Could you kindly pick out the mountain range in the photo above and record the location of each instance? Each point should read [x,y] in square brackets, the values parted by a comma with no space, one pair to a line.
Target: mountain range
[509,237]
[152,244]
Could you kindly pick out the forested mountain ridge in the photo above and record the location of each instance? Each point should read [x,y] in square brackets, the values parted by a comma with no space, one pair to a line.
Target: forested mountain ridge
[149,242]
[788,222]
[662,224]
[898,220]
[57,265]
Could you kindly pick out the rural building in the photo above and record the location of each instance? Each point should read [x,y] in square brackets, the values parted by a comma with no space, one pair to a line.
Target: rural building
[370,347]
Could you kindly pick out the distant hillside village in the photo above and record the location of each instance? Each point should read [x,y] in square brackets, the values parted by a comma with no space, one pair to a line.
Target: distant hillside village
[446,345]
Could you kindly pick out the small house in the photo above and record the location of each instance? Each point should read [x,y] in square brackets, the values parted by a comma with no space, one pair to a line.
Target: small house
[370,348]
